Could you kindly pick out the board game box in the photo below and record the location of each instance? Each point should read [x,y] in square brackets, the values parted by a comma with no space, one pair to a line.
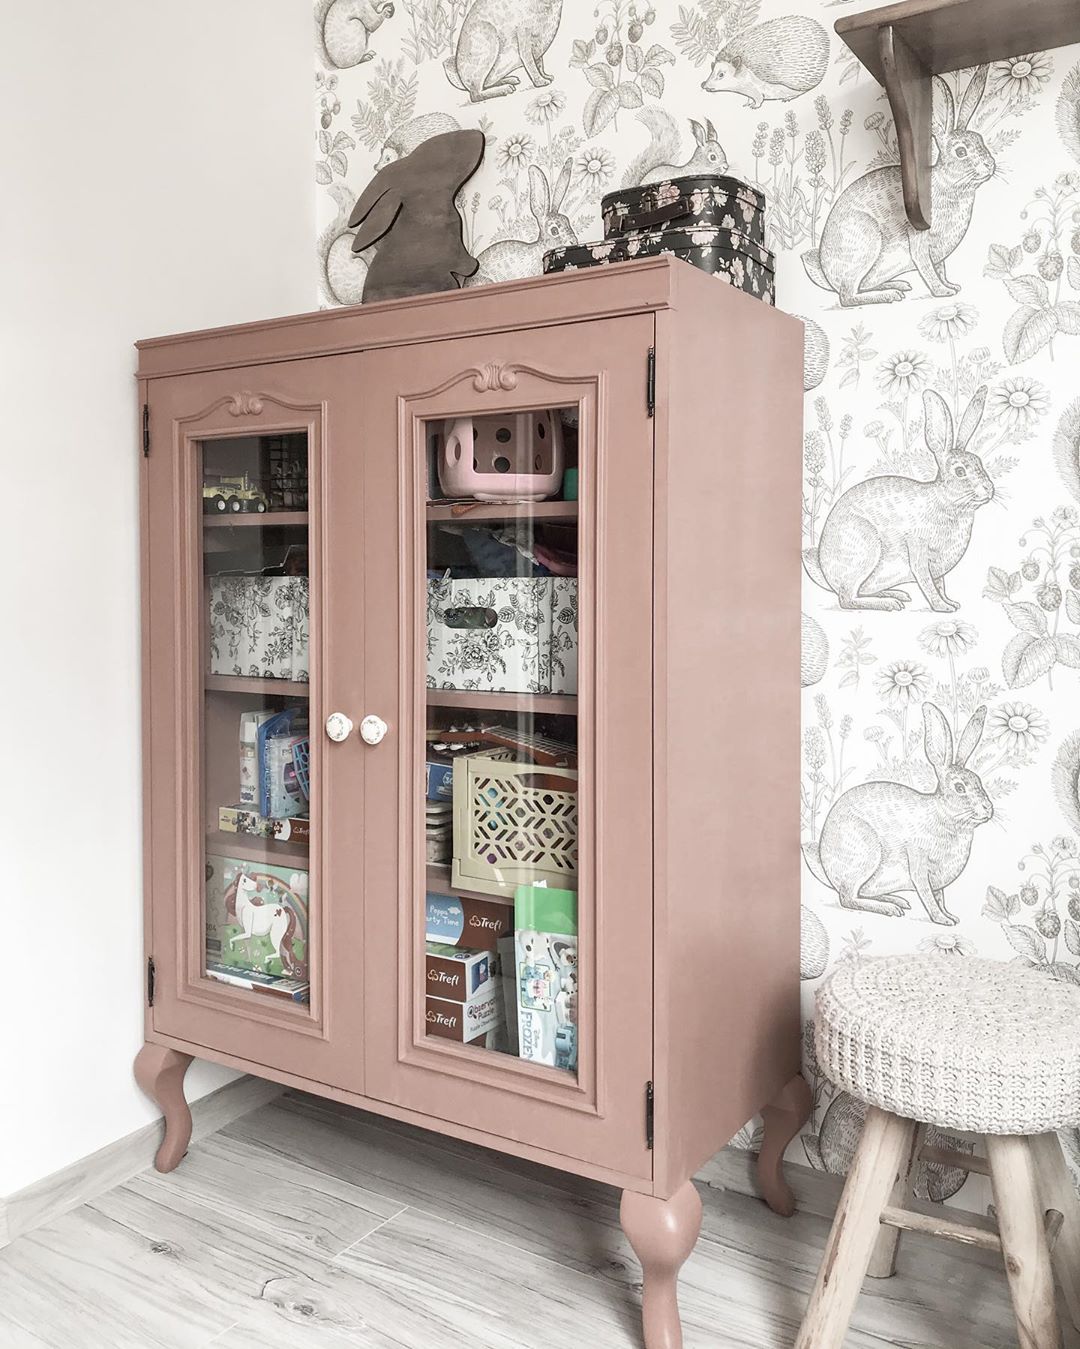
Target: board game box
[257,917]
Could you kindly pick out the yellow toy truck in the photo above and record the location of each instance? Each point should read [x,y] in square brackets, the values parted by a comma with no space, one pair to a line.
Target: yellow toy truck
[236,494]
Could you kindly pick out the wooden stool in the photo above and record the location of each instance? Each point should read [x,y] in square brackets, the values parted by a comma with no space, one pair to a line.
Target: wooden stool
[976,1046]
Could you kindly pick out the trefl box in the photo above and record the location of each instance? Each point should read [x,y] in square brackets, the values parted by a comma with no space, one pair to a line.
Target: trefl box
[274,986]
[465,1021]
[256,916]
[440,780]
[259,626]
[511,634]
[456,972]
[244,819]
[456,921]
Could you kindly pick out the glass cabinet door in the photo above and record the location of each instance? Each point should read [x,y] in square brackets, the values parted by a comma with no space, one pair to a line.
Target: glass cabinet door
[256,726]
[503,895]
[244,781]
[500,773]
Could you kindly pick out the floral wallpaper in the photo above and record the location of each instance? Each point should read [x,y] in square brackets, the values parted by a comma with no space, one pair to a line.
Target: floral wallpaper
[941,520]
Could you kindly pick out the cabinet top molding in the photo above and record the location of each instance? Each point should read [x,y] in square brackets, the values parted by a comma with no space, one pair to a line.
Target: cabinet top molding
[646,285]
[904,45]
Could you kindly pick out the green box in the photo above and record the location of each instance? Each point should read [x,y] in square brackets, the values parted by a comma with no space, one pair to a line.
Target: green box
[257,916]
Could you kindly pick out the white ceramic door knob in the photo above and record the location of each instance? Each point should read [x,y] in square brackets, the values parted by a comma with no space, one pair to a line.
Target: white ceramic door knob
[338,726]
[372,729]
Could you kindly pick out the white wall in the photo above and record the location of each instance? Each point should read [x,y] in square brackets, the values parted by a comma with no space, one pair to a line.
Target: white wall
[156,171]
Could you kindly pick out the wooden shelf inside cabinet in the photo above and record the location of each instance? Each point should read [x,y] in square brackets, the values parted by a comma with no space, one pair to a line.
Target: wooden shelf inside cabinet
[250,848]
[438,883]
[564,704]
[467,511]
[267,518]
[905,45]
[272,688]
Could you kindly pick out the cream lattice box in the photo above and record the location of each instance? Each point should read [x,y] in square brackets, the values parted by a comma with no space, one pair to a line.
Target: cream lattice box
[515,823]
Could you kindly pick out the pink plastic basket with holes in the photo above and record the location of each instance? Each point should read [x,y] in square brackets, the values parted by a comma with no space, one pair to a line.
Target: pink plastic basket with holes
[513,457]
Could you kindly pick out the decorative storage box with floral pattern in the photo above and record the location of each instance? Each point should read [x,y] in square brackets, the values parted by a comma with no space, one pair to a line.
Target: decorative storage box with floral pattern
[722,253]
[514,634]
[259,626]
[686,203]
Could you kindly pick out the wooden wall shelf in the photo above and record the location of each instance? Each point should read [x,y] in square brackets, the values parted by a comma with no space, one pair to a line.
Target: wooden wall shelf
[905,45]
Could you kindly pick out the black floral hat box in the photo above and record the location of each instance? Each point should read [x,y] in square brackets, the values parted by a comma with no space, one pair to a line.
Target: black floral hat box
[686,203]
[724,254]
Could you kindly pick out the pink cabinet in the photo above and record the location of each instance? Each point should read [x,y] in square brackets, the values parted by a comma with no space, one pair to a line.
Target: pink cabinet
[482,813]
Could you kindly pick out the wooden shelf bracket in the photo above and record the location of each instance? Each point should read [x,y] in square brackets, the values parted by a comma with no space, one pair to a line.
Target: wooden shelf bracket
[906,43]
[908,83]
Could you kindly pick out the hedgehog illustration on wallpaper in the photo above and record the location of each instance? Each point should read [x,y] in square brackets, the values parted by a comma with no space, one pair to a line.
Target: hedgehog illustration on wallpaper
[775,60]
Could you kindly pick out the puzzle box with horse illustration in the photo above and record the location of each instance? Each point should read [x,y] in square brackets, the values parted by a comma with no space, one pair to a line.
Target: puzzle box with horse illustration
[257,917]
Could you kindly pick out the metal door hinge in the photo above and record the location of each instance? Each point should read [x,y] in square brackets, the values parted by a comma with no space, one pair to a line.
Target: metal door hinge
[150,976]
[650,1114]
[146,430]
[650,382]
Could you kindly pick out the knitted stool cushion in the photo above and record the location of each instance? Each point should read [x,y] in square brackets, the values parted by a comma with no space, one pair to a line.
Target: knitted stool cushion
[977,1045]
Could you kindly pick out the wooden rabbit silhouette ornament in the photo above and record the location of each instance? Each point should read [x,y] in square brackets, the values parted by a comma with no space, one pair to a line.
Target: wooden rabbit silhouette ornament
[408,208]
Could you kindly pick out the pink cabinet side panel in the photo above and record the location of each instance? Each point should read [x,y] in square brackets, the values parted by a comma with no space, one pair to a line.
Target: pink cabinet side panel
[729,439]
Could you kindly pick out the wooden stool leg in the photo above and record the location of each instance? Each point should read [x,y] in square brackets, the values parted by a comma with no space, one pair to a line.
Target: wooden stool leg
[783,1117]
[160,1073]
[663,1233]
[887,1247]
[1023,1241]
[1056,1191]
[884,1151]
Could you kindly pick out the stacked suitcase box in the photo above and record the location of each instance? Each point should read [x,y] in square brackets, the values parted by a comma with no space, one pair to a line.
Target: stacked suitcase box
[713,222]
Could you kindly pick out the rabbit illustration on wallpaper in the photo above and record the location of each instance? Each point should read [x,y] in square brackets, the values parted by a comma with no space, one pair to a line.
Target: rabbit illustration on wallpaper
[1066,779]
[509,259]
[342,28]
[498,37]
[881,839]
[659,160]
[868,245]
[890,531]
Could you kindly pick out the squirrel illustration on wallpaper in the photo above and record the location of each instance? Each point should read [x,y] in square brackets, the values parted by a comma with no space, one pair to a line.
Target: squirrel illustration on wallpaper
[659,160]
[892,531]
[867,244]
[343,27]
[883,838]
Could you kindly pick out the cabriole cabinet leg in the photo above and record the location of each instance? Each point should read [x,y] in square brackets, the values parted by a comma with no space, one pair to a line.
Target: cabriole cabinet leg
[663,1233]
[160,1074]
[783,1117]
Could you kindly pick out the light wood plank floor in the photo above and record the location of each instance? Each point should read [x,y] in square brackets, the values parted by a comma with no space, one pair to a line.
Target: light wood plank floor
[308,1226]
